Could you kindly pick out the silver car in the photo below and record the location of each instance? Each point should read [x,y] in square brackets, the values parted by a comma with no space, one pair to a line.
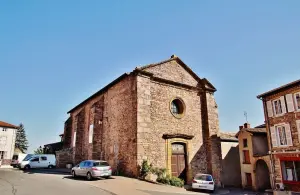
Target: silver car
[92,169]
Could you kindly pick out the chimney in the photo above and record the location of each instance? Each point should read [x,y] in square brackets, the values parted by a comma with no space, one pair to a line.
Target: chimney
[246,125]
[241,127]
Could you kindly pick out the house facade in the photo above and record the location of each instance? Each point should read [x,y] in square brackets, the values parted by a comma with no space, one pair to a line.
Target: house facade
[254,157]
[7,142]
[231,168]
[282,116]
[161,112]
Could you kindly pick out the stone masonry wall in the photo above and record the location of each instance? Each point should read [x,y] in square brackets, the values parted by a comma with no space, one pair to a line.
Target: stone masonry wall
[113,115]
[5,162]
[68,133]
[120,126]
[213,143]
[97,120]
[64,157]
[210,132]
[80,152]
[156,105]
[174,72]
[289,117]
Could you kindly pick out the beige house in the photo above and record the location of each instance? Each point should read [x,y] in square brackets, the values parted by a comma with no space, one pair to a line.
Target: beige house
[162,112]
[282,116]
[7,142]
[254,157]
[231,168]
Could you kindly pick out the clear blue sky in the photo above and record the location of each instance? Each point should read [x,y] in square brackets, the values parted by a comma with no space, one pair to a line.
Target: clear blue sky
[54,54]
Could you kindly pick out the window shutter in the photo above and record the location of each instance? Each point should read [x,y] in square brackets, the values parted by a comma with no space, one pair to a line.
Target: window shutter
[273,136]
[283,105]
[288,133]
[289,102]
[298,127]
[269,109]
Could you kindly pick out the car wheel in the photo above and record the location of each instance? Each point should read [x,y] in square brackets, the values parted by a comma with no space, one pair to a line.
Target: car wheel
[89,176]
[73,174]
[50,167]
[26,167]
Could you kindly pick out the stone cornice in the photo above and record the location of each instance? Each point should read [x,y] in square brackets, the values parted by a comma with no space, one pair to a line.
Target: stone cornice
[183,136]
[165,81]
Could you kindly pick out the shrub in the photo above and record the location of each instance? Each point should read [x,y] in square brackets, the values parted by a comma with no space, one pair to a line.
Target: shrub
[171,180]
[160,172]
[175,181]
[164,180]
[145,169]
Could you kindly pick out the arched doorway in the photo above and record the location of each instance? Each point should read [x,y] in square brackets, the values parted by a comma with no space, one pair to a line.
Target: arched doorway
[262,175]
[178,160]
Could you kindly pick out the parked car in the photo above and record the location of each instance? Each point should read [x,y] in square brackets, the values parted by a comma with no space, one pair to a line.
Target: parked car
[92,169]
[39,161]
[18,158]
[203,182]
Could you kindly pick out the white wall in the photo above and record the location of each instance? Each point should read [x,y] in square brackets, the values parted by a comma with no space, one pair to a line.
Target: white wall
[7,141]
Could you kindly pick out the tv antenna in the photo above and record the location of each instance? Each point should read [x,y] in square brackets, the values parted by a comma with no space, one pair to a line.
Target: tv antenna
[246,116]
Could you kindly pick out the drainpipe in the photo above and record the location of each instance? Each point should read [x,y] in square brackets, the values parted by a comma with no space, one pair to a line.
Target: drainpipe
[270,144]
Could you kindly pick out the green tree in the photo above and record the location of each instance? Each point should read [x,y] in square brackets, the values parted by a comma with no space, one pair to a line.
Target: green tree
[21,140]
[39,150]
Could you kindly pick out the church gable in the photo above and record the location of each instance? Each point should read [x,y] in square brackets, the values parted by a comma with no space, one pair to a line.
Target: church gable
[174,70]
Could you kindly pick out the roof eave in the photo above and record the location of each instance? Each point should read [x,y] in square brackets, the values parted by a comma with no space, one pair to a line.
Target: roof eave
[283,87]
[100,91]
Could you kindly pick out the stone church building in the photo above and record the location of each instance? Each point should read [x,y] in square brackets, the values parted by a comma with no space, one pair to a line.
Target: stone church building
[161,112]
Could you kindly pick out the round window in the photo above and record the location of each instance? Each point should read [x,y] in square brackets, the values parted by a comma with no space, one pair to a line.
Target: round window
[177,108]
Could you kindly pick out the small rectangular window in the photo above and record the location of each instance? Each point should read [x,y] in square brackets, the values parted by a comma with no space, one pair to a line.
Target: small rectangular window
[277,104]
[43,158]
[74,139]
[281,135]
[245,143]
[246,156]
[91,132]
[290,170]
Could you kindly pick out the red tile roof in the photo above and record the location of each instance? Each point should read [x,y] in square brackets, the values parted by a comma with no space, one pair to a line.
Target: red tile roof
[291,84]
[4,124]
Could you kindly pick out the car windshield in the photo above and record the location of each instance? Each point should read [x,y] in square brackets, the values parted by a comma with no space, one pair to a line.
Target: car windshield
[15,157]
[204,177]
[28,157]
[100,164]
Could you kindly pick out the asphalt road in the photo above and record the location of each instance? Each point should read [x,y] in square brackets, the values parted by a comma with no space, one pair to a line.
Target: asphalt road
[16,182]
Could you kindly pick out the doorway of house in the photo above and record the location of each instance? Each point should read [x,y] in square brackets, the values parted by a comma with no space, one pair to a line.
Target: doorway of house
[262,175]
[178,160]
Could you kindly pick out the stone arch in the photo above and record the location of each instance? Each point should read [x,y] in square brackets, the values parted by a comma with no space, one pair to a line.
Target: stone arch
[262,175]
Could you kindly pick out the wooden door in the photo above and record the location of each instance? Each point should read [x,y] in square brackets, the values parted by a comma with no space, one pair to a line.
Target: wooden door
[249,179]
[178,161]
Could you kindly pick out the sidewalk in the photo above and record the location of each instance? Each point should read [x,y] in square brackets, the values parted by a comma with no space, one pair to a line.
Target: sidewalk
[5,167]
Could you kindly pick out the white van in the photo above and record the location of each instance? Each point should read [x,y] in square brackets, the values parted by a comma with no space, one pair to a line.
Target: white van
[39,161]
[18,158]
